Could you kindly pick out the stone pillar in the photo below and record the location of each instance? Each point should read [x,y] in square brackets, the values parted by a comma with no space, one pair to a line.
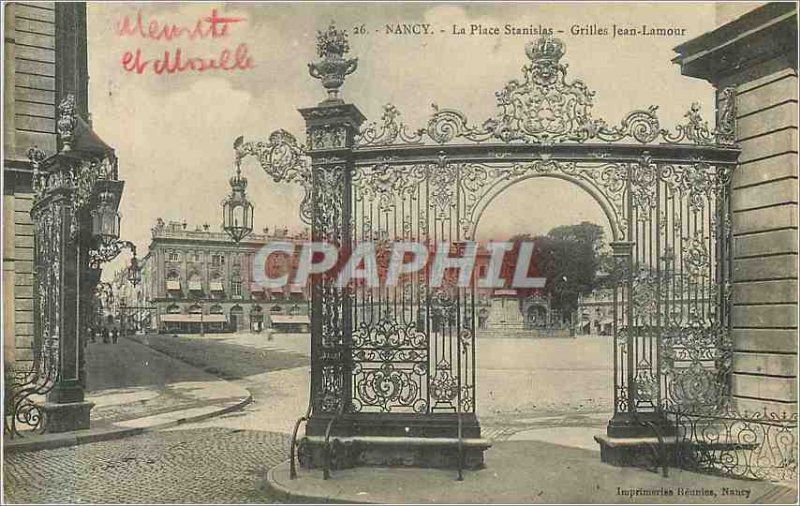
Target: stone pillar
[753,59]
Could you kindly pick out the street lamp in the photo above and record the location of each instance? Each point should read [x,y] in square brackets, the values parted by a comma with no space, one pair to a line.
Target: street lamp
[105,218]
[237,211]
[134,271]
[106,229]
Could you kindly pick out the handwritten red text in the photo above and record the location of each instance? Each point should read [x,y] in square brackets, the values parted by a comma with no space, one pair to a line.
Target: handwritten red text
[177,60]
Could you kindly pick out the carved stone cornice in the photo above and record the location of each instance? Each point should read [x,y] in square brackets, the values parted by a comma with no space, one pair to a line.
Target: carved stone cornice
[766,33]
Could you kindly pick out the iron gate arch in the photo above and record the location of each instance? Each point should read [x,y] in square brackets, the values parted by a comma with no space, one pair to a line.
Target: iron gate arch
[401,362]
[599,199]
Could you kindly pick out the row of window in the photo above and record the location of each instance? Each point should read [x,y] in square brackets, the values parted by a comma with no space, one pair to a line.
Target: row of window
[216,309]
[236,287]
[215,259]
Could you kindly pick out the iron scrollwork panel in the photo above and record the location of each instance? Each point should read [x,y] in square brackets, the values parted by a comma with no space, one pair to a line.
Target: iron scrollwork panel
[696,343]
[330,198]
[760,445]
[390,337]
[675,312]
[26,388]
[546,108]
[412,342]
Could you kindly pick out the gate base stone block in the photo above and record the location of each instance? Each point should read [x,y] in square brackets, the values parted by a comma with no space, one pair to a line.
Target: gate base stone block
[646,452]
[66,417]
[394,439]
[640,425]
[379,451]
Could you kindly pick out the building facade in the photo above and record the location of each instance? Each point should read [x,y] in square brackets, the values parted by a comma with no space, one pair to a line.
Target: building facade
[199,280]
[45,59]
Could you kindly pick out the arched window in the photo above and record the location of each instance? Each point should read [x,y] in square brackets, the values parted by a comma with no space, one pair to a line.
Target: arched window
[173,309]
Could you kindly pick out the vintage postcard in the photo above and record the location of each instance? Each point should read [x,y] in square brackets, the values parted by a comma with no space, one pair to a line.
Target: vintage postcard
[396,253]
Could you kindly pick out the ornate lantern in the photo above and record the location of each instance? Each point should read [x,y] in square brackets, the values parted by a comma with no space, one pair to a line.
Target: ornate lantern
[105,219]
[237,211]
[134,271]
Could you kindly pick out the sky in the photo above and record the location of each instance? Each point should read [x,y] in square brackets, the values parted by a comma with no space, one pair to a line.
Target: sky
[174,132]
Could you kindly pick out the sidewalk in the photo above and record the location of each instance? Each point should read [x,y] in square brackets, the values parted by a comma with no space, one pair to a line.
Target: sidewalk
[523,472]
[137,389]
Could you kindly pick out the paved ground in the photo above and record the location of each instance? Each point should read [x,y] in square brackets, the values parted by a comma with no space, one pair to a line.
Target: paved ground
[128,380]
[530,472]
[234,356]
[175,466]
[539,397]
[573,390]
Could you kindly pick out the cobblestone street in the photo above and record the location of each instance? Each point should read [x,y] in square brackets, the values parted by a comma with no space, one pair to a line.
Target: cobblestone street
[226,458]
[209,465]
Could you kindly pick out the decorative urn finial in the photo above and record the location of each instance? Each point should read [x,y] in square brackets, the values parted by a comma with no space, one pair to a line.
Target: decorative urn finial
[332,45]
[66,121]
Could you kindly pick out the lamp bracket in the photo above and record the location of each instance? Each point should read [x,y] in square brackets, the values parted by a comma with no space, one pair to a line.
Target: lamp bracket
[107,251]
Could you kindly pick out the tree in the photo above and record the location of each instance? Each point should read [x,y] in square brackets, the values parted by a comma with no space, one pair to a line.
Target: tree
[572,258]
[584,232]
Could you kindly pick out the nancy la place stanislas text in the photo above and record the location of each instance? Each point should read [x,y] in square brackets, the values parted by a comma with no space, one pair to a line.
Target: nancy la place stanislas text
[508,29]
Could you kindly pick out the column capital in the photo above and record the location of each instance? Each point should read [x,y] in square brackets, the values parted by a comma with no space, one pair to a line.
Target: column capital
[622,248]
[331,126]
[347,114]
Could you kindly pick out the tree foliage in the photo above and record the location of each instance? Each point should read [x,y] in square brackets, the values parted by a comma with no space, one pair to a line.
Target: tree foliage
[572,259]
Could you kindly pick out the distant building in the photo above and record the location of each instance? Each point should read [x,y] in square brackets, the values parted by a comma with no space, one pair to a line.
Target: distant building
[596,313]
[195,278]
[199,280]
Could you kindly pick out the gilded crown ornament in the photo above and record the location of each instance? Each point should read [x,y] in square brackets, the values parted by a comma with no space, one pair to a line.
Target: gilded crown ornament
[545,54]
[332,45]
[545,48]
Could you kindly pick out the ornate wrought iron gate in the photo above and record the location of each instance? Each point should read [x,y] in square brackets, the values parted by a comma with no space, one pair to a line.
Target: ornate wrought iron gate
[400,361]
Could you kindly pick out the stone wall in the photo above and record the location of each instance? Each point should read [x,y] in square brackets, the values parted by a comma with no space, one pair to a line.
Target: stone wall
[764,202]
[29,119]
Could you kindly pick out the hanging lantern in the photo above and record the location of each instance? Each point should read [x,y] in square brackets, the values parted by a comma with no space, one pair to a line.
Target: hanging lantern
[134,272]
[237,211]
[105,218]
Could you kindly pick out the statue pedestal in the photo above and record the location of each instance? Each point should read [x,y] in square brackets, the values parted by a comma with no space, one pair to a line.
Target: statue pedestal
[504,313]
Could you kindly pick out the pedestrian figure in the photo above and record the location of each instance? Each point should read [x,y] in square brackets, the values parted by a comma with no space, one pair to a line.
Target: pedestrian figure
[105,335]
[114,335]
[93,336]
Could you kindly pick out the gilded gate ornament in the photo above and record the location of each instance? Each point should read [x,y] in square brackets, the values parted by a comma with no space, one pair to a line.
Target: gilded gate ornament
[284,160]
[544,108]
[332,45]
